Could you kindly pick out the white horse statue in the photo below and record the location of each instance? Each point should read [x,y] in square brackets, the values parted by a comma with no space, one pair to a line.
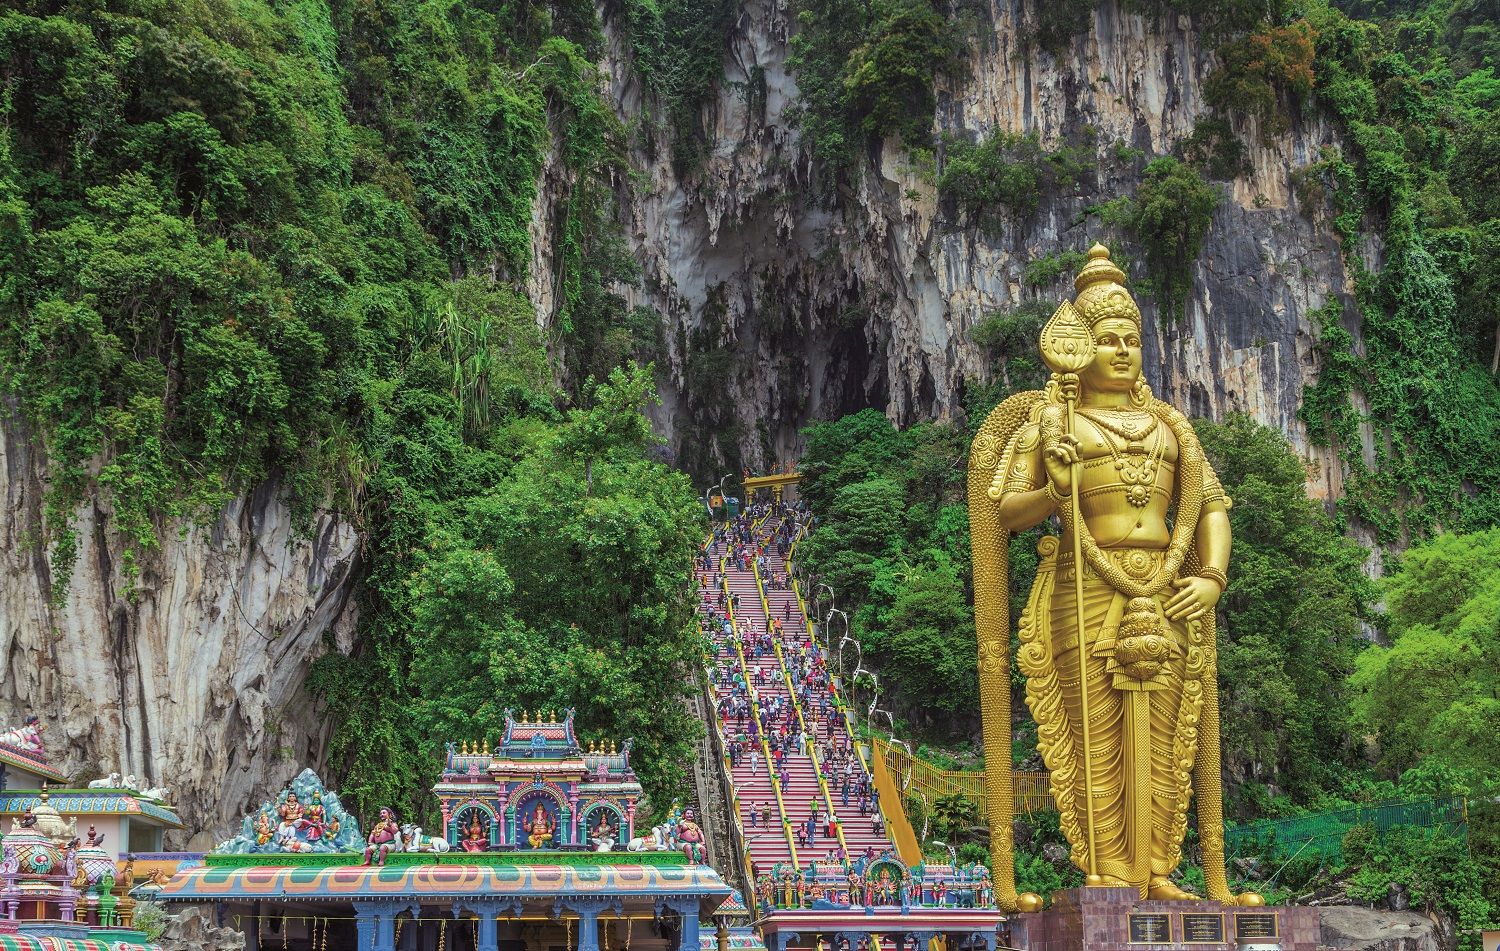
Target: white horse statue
[656,842]
[412,840]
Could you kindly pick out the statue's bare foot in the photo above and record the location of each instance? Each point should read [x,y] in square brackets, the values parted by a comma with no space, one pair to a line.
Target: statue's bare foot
[1162,889]
[1249,900]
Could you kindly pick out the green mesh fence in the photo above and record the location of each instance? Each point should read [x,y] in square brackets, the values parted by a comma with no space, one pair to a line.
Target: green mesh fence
[1322,834]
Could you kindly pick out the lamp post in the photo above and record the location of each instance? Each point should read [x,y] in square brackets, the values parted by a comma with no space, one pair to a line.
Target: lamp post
[716,489]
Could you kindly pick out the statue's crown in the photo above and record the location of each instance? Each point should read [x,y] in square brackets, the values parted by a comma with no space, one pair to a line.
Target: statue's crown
[1101,290]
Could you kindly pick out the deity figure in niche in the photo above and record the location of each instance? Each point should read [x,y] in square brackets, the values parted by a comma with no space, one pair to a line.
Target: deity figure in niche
[476,838]
[605,831]
[540,828]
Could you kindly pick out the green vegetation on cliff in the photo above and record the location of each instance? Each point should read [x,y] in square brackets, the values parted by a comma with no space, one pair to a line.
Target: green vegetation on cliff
[256,241]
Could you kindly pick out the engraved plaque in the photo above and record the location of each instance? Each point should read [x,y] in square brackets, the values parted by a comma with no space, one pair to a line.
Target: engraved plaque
[1150,929]
[1258,925]
[1203,928]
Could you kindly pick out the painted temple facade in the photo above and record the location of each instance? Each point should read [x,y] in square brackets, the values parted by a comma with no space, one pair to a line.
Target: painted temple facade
[528,862]
[537,789]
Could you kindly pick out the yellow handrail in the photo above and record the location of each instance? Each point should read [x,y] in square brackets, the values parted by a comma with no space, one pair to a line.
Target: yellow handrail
[734,792]
[786,825]
[797,706]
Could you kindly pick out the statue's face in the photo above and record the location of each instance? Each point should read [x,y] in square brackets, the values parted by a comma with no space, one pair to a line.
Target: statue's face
[1117,364]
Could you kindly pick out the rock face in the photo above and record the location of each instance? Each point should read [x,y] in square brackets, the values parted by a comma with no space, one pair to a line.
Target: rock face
[192,677]
[785,303]
[192,929]
[1351,928]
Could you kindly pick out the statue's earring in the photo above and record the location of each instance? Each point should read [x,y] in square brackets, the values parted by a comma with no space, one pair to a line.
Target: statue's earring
[1140,394]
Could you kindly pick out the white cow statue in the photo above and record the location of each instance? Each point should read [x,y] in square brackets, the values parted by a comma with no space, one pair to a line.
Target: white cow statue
[655,842]
[112,781]
[412,840]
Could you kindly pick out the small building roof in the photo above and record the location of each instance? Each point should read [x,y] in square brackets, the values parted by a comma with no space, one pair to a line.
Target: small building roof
[90,802]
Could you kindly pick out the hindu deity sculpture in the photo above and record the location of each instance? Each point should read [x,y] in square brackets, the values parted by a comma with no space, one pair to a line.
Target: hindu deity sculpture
[316,815]
[290,809]
[27,736]
[690,836]
[263,829]
[539,828]
[476,838]
[384,835]
[605,833]
[1117,636]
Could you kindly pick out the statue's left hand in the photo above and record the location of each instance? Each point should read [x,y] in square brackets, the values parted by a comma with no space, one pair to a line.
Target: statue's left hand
[1194,597]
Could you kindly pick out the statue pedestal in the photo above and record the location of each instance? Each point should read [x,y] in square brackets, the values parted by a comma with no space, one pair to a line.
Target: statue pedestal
[1114,919]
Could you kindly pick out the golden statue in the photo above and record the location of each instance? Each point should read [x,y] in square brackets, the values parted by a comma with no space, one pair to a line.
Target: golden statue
[1137,736]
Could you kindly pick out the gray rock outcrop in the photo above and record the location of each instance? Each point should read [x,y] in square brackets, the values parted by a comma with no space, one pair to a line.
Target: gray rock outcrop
[191,676]
[784,303]
[1352,928]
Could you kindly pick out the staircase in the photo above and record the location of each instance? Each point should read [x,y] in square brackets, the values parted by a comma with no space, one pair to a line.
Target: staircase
[801,788]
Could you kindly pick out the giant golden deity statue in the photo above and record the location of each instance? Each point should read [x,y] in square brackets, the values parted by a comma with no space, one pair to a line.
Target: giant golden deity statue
[1119,657]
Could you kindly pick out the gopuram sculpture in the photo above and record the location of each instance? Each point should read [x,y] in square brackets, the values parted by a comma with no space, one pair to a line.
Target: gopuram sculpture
[1120,659]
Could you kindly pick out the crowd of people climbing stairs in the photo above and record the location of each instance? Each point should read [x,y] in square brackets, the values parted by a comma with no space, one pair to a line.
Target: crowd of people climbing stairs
[802,791]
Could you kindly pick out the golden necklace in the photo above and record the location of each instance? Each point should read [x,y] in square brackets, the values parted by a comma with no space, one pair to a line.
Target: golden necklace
[1129,425]
[1137,465]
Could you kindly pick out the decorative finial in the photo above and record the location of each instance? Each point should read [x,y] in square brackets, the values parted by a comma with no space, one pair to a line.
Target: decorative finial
[1098,268]
[612,749]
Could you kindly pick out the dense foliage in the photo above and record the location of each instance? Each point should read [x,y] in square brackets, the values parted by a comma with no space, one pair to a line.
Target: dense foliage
[865,71]
[1291,622]
[286,241]
[1435,691]
[1168,217]
[892,541]
[1416,107]
[1004,176]
[543,576]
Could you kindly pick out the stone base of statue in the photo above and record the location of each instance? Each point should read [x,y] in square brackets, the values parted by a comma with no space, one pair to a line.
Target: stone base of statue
[1115,919]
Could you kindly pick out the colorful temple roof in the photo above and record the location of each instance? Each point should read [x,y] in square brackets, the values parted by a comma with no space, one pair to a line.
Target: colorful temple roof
[420,882]
[90,802]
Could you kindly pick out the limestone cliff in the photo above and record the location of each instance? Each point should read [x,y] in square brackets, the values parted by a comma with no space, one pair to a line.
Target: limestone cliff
[192,676]
[815,304]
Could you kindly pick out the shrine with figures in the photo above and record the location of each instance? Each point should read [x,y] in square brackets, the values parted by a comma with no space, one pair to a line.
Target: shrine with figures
[538,788]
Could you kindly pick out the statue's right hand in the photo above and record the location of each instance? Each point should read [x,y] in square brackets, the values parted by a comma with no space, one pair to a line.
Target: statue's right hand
[1059,456]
